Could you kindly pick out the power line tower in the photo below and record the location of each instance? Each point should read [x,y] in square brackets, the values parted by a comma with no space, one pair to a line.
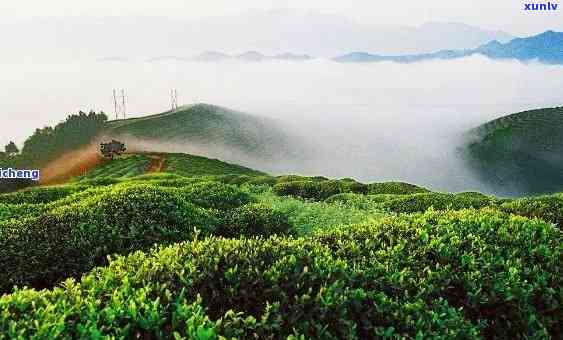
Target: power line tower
[119,107]
[115,104]
[173,99]
[123,102]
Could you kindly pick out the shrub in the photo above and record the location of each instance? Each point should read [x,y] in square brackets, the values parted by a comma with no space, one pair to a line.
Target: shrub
[254,220]
[548,208]
[39,194]
[216,195]
[503,271]
[69,240]
[358,201]
[102,181]
[395,188]
[262,180]
[465,275]
[318,190]
[156,176]
[8,211]
[438,201]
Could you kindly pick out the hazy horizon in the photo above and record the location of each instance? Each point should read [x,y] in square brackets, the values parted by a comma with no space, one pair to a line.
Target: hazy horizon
[507,15]
[375,121]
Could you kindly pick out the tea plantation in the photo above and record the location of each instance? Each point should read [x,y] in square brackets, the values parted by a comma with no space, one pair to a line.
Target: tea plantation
[211,250]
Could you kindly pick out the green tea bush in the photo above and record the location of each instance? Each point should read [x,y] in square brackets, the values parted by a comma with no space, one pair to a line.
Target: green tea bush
[102,181]
[156,176]
[39,194]
[548,208]
[358,201]
[502,271]
[69,240]
[174,183]
[216,195]
[293,178]
[8,211]
[254,220]
[318,190]
[262,180]
[306,216]
[395,188]
[451,275]
[438,201]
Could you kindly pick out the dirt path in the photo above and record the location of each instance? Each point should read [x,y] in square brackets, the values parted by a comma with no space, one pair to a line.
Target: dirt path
[156,164]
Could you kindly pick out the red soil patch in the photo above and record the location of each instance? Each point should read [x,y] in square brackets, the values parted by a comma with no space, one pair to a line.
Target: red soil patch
[71,164]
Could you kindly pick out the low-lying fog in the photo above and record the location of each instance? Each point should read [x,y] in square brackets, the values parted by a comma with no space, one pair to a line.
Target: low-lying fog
[376,121]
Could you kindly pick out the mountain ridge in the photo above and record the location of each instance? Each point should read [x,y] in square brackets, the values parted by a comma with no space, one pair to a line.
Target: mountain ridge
[519,153]
[546,47]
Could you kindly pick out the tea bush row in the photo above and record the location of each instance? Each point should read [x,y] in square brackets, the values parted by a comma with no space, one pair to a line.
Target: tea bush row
[71,238]
[318,190]
[463,275]
[439,201]
[548,208]
[37,195]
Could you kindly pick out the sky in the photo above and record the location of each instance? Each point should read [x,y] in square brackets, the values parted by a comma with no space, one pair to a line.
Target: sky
[506,15]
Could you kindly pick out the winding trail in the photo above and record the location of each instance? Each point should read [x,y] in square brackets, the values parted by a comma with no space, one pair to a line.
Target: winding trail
[157,163]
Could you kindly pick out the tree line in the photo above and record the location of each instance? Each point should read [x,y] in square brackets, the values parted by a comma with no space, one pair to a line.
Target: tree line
[47,143]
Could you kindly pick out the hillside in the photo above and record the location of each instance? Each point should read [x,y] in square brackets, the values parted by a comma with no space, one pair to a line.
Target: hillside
[521,153]
[203,249]
[546,48]
[206,129]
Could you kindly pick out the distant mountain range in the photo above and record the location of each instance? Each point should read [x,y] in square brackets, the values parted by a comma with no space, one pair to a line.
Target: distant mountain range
[546,48]
[249,56]
[270,32]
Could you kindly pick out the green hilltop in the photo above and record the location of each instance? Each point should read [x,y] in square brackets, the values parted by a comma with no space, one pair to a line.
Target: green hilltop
[521,153]
[209,126]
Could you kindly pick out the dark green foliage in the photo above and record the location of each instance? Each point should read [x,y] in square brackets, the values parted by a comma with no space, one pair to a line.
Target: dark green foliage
[238,180]
[293,178]
[190,165]
[49,143]
[547,208]
[126,166]
[519,154]
[71,239]
[318,190]
[216,195]
[101,181]
[438,201]
[254,220]
[450,275]
[395,188]
[262,180]
[10,185]
[39,194]
[11,149]
[359,201]
[8,211]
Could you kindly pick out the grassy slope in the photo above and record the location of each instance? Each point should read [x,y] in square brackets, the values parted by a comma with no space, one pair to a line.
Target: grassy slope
[522,151]
[208,125]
